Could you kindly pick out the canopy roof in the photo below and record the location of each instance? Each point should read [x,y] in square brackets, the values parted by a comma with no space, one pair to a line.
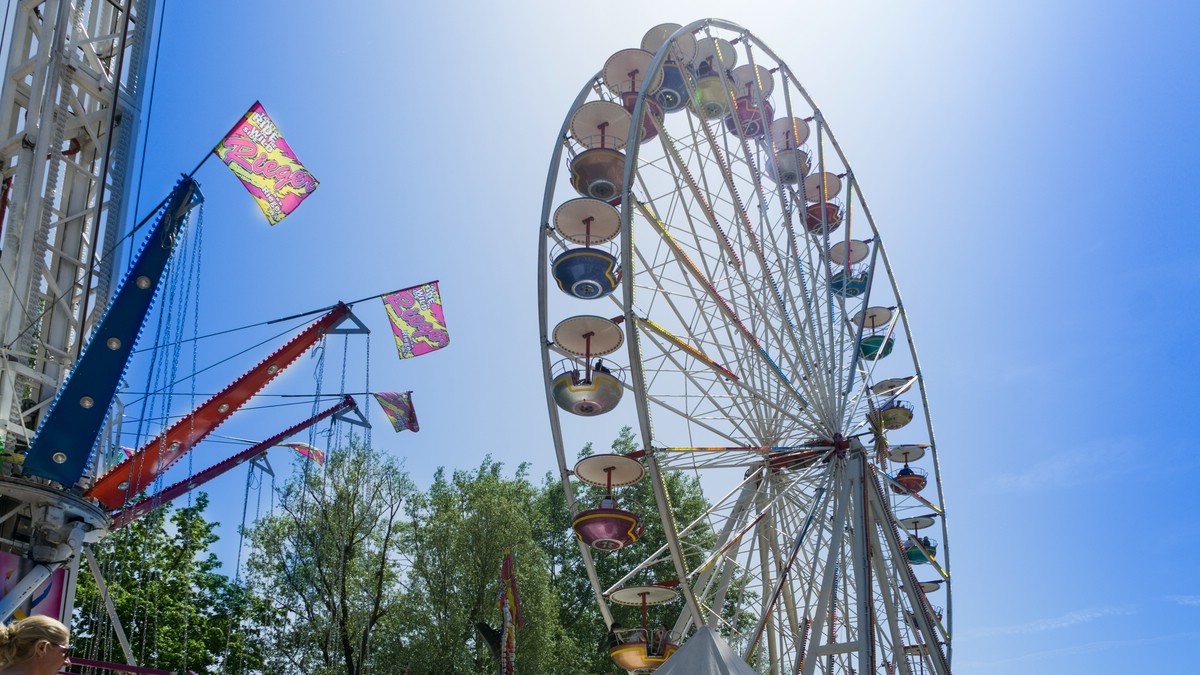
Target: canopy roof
[705,654]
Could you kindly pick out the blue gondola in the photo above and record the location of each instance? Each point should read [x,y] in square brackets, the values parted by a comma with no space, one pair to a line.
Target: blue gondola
[586,273]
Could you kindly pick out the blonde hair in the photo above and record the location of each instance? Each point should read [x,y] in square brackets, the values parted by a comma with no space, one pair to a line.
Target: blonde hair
[19,638]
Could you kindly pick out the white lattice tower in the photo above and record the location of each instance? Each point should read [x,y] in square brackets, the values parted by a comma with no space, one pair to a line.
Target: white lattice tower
[68,122]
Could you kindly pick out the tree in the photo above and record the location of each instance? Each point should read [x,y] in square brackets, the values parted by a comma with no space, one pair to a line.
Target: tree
[578,613]
[461,527]
[328,563]
[175,607]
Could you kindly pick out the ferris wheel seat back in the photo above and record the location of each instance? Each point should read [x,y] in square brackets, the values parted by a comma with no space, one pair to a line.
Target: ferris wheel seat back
[875,347]
[654,112]
[909,480]
[607,529]
[818,216]
[598,173]
[917,556]
[578,395]
[635,657]
[789,166]
[749,118]
[896,415]
[586,273]
[672,95]
[850,285]
[710,100]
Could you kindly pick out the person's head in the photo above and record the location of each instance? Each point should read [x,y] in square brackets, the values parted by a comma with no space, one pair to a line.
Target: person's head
[40,643]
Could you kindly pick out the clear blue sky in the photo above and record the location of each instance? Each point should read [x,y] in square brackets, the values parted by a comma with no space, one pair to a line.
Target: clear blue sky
[1032,167]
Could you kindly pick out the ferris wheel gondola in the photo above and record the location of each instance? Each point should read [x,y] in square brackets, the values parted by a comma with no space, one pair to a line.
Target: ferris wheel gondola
[767,348]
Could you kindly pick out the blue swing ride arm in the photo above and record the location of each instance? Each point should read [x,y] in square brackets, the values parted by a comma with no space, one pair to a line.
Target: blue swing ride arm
[71,428]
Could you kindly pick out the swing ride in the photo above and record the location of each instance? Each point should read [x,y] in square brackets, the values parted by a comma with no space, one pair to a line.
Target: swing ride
[699,213]
[72,309]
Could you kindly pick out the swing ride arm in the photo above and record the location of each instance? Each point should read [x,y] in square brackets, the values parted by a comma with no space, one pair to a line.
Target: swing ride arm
[135,473]
[68,434]
[141,508]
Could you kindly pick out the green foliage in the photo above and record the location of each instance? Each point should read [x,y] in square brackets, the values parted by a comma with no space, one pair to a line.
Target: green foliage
[326,565]
[461,527]
[173,604]
[357,571]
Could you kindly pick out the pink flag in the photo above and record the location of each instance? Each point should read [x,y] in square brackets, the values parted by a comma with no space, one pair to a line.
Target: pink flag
[417,321]
[306,450]
[255,151]
[398,407]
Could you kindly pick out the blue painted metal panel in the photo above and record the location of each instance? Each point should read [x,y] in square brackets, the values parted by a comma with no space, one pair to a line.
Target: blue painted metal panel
[70,429]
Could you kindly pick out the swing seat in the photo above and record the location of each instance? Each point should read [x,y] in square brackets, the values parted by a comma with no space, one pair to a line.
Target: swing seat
[912,481]
[653,108]
[711,98]
[896,415]
[849,285]
[812,217]
[586,273]
[598,173]
[633,657]
[672,94]
[607,529]
[875,347]
[916,556]
[753,116]
[789,166]
[577,395]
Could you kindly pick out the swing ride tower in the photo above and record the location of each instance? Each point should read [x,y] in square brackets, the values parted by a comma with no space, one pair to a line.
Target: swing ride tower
[74,75]
[74,72]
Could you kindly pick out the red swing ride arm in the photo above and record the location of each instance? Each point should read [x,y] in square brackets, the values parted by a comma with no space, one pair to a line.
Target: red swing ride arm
[144,506]
[135,473]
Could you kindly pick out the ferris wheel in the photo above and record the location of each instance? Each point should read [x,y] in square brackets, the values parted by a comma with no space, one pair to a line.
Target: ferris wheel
[711,275]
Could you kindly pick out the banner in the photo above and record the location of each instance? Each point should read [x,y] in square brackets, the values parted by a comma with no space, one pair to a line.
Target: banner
[46,600]
[256,153]
[398,407]
[508,591]
[307,450]
[417,321]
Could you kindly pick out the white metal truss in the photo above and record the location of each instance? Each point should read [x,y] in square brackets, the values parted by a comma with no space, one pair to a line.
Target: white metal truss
[69,112]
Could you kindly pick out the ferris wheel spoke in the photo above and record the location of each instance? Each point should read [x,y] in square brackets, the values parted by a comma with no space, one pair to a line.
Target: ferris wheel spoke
[740,394]
[919,611]
[684,177]
[759,309]
[707,285]
[780,589]
[694,526]
[743,218]
[724,378]
[889,595]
